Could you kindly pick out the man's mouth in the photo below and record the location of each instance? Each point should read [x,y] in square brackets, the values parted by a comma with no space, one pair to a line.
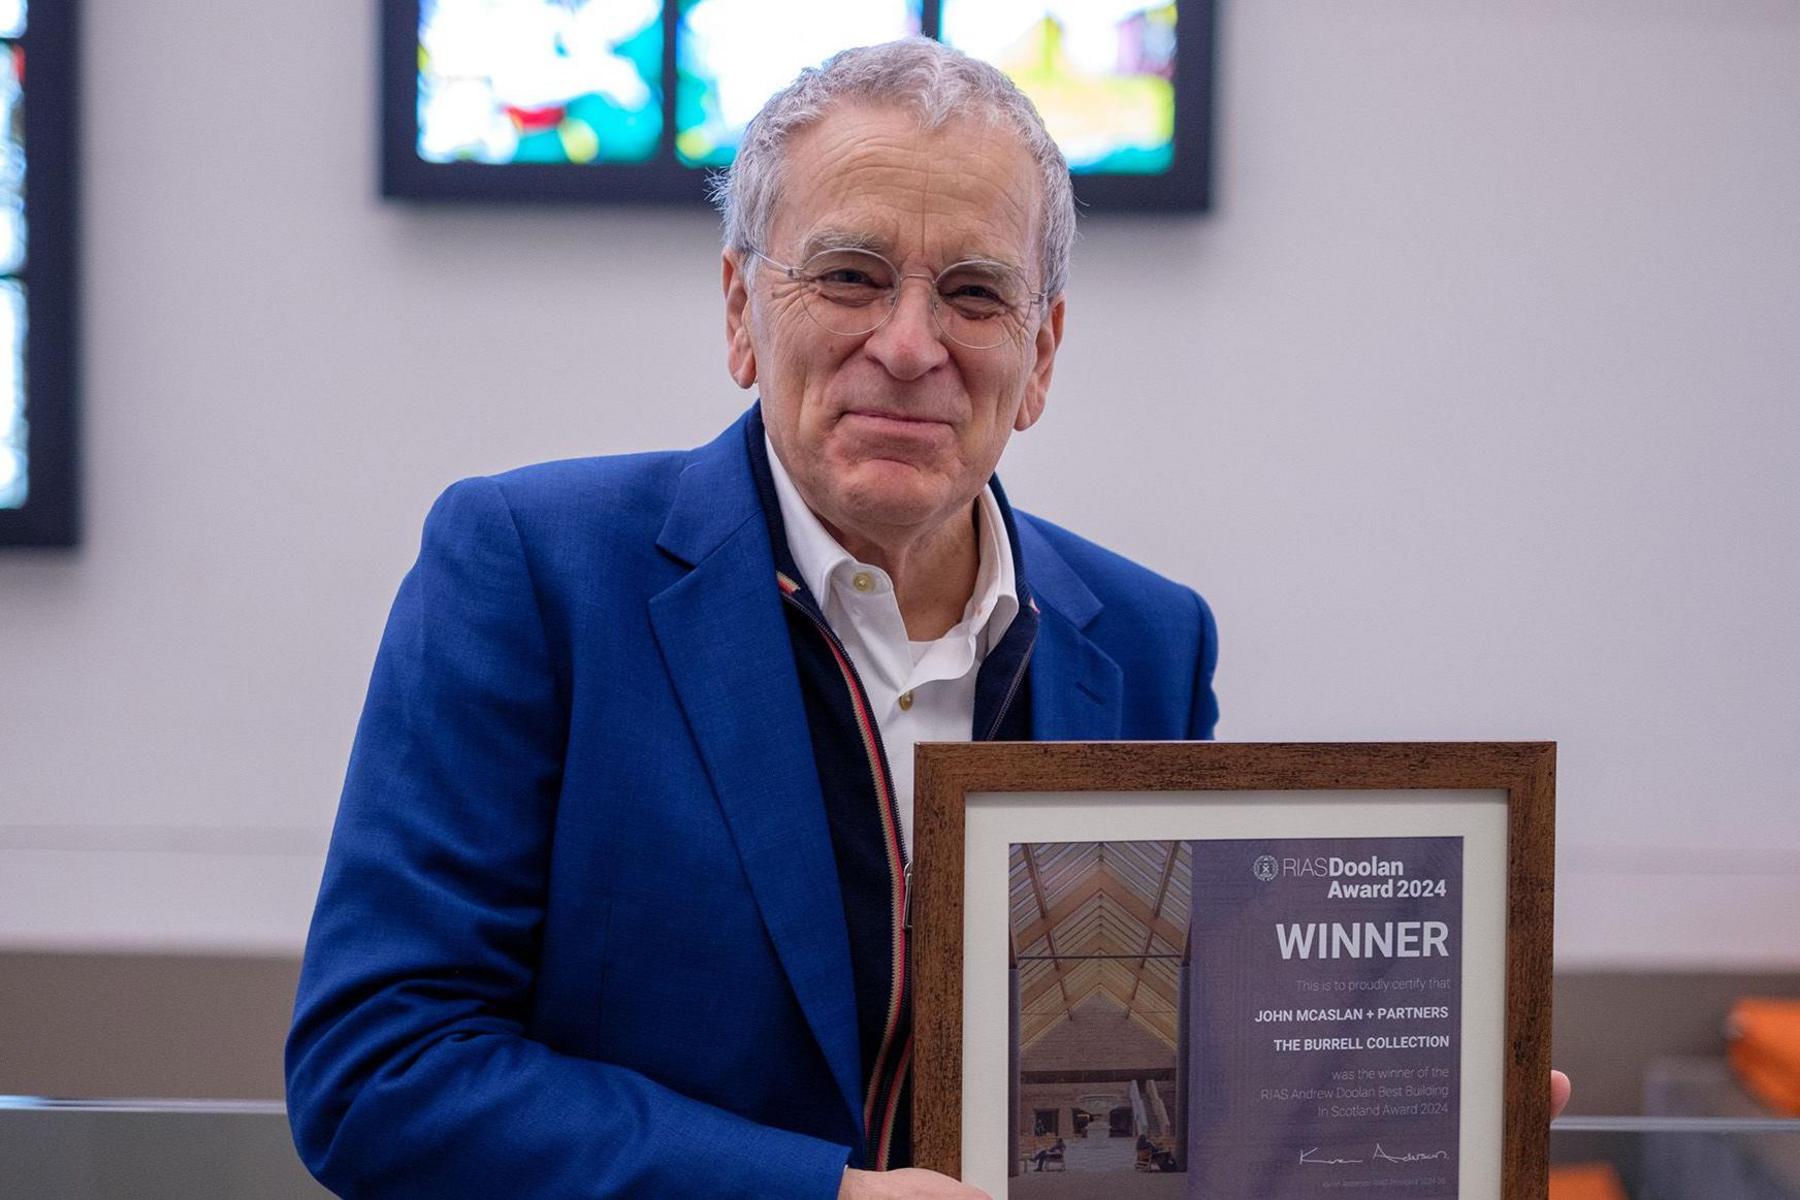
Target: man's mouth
[899,420]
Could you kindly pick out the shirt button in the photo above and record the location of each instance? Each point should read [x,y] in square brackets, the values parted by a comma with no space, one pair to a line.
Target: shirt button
[862,581]
[906,699]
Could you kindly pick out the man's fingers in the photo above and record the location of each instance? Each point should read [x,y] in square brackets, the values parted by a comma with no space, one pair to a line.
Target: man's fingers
[906,1184]
[1560,1088]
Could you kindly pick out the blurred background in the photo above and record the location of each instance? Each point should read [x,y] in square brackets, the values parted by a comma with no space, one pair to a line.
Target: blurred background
[1471,406]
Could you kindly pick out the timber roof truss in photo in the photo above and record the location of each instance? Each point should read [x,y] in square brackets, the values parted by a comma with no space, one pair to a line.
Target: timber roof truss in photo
[1105,919]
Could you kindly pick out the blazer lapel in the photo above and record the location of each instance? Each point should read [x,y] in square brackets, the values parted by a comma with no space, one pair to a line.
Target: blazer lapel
[724,638]
[1077,690]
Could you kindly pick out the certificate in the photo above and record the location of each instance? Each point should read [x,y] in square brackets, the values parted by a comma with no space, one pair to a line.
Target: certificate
[1204,971]
[1326,1018]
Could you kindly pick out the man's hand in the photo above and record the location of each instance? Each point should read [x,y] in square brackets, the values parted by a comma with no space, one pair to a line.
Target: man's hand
[908,1184]
[1559,1093]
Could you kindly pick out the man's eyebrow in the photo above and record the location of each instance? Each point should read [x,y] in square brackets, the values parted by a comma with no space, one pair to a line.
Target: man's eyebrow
[842,239]
[1014,267]
[964,253]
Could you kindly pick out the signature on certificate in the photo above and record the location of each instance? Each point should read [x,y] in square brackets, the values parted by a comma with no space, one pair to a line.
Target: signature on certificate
[1310,1157]
[1306,1156]
[1410,1156]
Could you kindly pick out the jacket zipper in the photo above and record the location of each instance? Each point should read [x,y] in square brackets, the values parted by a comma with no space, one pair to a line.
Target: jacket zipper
[878,761]
[901,913]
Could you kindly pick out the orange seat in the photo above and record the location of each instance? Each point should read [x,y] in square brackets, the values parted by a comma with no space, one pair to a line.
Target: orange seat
[1764,1049]
[1586,1181]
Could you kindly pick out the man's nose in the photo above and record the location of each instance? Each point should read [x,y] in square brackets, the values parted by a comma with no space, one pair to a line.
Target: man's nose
[909,343]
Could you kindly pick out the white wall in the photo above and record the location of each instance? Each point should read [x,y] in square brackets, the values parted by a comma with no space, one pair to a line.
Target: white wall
[1472,409]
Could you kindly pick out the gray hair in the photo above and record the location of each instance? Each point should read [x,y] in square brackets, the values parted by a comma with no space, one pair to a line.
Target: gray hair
[938,84]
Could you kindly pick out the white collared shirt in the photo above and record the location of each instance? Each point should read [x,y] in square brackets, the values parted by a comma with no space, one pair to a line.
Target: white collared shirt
[920,691]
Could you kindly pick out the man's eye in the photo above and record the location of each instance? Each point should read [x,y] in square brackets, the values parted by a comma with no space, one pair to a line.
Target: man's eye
[977,301]
[848,285]
[846,277]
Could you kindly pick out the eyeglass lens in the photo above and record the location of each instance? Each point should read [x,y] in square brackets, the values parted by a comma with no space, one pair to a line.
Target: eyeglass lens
[853,292]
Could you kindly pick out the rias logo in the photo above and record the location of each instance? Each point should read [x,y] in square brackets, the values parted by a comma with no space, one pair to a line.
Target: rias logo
[1266,868]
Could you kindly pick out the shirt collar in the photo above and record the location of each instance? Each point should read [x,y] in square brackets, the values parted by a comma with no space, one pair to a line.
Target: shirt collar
[821,559]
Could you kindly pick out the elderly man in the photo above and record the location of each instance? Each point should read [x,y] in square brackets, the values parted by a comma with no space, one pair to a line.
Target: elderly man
[615,903]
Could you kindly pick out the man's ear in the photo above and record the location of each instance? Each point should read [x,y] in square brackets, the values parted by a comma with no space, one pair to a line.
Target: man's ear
[740,354]
[1037,387]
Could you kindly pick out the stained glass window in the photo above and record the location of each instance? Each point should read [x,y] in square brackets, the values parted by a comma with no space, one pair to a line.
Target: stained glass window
[634,100]
[38,224]
[15,474]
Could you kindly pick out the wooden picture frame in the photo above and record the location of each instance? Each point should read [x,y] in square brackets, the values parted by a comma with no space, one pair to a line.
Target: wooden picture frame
[1137,785]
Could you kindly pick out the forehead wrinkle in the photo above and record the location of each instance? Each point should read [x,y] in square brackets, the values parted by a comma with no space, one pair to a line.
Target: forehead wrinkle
[962,248]
[867,171]
[924,202]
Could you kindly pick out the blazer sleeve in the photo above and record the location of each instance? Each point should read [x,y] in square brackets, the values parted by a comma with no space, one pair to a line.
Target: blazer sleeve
[1204,712]
[409,1072]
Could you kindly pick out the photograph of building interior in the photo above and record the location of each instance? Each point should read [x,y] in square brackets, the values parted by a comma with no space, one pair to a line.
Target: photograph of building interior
[1099,947]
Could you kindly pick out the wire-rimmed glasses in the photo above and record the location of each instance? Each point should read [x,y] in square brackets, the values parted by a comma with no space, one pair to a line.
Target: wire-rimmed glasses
[977,303]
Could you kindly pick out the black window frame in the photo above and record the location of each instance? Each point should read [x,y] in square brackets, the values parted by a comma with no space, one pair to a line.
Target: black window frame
[50,515]
[1185,188]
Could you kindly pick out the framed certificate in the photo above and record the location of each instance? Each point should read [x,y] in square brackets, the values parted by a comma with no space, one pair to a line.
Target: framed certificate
[1207,970]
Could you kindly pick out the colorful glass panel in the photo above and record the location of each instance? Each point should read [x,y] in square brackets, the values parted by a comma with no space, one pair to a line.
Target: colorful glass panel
[543,81]
[1100,71]
[732,58]
[14,473]
[14,469]
[12,161]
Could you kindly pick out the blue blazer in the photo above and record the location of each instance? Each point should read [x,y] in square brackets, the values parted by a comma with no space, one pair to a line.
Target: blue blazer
[579,933]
